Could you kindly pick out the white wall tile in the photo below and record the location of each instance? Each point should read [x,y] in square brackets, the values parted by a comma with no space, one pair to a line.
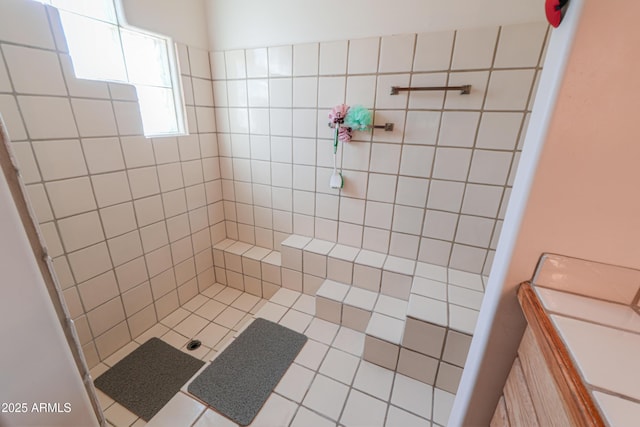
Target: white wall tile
[416,160]
[474,48]
[474,231]
[238,120]
[407,219]
[104,154]
[458,128]
[34,71]
[509,89]
[384,99]
[404,245]
[235,62]
[125,248]
[304,151]
[280,93]
[218,65]
[219,89]
[355,184]
[331,91]
[111,188]
[13,119]
[304,122]
[304,178]
[412,191]
[361,90]
[499,130]
[49,117]
[90,262]
[481,200]
[202,92]
[422,127]
[60,159]
[433,51]
[355,155]
[467,257]
[199,62]
[381,187]
[99,290]
[259,121]
[396,53]
[427,99]
[434,251]
[396,117]
[520,45]
[281,121]
[5,83]
[257,63]
[445,195]
[376,239]
[326,206]
[144,181]
[378,214]
[352,210]
[128,118]
[363,56]
[39,202]
[452,163]
[52,239]
[237,93]
[490,167]
[16,16]
[94,117]
[80,231]
[138,151]
[280,61]
[166,150]
[333,57]
[305,92]
[183,58]
[71,196]
[472,101]
[440,225]
[385,158]
[305,59]
[149,210]
[118,219]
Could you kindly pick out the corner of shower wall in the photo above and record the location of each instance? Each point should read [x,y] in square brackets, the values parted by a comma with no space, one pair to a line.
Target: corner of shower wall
[128,221]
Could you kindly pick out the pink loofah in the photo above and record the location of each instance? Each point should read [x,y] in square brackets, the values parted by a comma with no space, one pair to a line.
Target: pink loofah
[338,113]
[344,134]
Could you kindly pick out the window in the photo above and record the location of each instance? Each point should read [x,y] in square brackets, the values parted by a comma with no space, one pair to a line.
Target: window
[102,48]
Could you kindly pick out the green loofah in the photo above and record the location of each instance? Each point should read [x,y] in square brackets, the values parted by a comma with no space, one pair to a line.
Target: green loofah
[358,118]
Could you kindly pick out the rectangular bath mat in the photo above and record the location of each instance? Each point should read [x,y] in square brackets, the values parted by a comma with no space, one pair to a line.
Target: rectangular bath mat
[145,380]
[240,379]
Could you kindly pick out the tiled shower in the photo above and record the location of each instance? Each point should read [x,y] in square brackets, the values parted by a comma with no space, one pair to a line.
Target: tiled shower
[130,222]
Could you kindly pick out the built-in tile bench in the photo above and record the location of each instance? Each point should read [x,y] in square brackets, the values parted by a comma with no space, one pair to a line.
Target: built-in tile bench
[248,268]
[418,318]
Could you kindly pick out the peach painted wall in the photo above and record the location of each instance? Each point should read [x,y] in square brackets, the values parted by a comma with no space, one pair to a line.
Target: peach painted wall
[584,199]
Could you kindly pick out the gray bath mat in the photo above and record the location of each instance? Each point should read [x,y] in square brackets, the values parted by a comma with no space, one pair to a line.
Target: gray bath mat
[145,380]
[240,379]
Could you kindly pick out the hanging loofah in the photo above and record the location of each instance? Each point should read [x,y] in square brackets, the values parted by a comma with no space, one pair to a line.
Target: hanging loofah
[344,134]
[338,113]
[358,118]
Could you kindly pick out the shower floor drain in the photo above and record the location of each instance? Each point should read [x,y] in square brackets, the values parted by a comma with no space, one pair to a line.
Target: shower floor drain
[194,344]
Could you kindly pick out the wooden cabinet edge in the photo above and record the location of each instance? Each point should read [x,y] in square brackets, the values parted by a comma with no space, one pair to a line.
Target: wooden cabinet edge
[581,408]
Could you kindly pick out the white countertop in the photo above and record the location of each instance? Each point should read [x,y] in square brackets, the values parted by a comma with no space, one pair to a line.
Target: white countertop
[603,338]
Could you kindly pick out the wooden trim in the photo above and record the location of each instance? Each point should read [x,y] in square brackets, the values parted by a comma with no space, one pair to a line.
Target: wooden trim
[517,399]
[582,410]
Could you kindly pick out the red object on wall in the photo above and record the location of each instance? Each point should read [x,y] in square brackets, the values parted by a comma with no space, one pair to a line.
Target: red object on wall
[555,10]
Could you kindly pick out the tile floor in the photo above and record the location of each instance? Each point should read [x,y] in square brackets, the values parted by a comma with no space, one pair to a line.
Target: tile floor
[327,385]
